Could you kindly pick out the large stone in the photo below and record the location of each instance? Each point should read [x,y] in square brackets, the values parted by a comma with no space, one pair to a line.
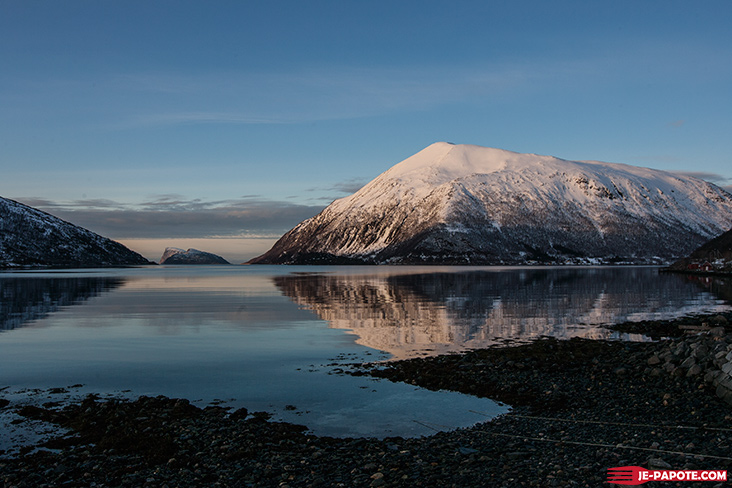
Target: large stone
[727,368]
[719,319]
[688,362]
[694,370]
[658,463]
[717,331]
[725,394]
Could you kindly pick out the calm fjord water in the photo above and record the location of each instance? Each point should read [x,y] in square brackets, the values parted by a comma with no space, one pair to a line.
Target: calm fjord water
[272,338]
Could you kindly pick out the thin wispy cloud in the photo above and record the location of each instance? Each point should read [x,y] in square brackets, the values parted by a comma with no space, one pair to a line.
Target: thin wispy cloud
[327,93]
[50,205]
[715,178]
[347,187]
[166,216]
[330,92]
[340,92]
[720,180]
[177,118]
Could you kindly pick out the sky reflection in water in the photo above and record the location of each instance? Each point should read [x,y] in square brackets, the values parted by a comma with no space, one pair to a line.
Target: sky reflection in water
[270,338]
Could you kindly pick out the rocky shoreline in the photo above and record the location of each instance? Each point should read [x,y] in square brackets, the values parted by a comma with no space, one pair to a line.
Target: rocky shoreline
[580,407]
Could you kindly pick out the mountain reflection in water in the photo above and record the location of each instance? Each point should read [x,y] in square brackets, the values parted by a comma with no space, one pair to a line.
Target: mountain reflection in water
[407,314]
[719,286]
[28,299]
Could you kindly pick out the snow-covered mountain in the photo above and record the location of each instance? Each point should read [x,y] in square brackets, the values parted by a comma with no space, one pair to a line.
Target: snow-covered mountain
[174,255]
[456,204]
[30,237]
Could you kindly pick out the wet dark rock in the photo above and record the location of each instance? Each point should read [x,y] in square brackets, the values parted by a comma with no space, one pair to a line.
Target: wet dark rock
[719,320]
[239,414]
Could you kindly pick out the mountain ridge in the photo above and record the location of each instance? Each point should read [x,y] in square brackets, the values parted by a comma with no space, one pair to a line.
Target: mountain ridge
[31,238]
[465,204]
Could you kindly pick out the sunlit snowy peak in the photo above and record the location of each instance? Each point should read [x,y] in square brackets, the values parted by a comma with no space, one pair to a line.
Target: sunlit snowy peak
[465,204]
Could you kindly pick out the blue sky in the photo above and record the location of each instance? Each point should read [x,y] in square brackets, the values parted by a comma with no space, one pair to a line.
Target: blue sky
[157,122]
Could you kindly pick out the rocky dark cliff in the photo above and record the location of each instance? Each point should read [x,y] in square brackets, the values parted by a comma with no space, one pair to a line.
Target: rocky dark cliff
[30,237]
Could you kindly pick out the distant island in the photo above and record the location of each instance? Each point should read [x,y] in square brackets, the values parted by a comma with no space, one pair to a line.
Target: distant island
[32,238]
[174,255]
[464,204]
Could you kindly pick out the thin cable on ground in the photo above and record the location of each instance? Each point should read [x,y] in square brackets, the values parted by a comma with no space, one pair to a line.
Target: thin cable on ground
[600,422]
[609,446]
[427,424]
